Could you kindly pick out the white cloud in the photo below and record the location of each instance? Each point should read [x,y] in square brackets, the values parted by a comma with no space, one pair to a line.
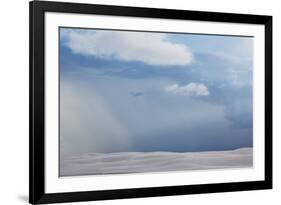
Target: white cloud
[150,48]
[191,89]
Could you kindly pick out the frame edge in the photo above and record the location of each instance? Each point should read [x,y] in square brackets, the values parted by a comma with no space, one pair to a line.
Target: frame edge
[268,102]
[36,102]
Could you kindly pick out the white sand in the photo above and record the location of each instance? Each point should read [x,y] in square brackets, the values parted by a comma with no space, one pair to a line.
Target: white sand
[134,162]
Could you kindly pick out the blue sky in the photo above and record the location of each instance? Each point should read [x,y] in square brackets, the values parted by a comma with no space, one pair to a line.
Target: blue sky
[142,91]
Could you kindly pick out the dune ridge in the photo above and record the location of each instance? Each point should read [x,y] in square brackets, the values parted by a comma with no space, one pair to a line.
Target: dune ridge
[137,162]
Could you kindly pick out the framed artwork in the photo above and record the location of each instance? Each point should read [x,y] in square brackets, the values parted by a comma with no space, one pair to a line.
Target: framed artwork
[140,102]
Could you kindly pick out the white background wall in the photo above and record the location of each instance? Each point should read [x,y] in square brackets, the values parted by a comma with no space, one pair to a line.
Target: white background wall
[14,100]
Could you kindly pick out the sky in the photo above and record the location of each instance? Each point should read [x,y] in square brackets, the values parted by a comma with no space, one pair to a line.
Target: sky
[132,91]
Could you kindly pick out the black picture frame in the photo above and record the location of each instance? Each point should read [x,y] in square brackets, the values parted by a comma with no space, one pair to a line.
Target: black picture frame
[37,194]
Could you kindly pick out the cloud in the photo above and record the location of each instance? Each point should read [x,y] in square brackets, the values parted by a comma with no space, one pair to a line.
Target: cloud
[191,89]
[149,48]
[240,112]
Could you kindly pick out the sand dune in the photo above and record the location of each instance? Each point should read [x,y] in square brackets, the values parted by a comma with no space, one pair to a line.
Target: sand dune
[135,162]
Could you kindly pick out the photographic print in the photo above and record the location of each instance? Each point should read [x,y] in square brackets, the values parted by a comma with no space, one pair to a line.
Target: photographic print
[139,101]
[129,102]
